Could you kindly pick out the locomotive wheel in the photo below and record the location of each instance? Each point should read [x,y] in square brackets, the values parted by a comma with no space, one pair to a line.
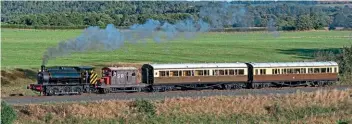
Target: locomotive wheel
[55,91]
[67,89]
[78,90]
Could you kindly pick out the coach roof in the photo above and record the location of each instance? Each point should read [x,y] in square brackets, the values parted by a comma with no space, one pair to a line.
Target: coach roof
[198,65]
[294,64]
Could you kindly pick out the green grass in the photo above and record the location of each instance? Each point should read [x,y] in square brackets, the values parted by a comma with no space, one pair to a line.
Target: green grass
[24,48]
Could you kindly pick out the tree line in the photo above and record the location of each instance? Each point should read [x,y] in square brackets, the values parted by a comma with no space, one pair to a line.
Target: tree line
[280,15]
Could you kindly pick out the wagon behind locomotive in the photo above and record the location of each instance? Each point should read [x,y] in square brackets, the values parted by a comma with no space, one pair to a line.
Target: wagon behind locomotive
[119,79]
[293,73]
[195,76]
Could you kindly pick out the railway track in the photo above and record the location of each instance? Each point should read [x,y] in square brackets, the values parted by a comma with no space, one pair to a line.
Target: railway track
[162,95]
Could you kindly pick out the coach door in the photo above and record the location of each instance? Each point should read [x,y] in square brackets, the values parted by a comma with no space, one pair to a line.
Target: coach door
[131,77]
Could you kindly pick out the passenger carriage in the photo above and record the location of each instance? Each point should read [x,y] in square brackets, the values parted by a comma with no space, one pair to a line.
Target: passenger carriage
[293,73]
[195,76]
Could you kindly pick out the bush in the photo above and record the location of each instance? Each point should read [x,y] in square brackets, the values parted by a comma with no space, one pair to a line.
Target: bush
[144,106]
[342,122]
[8,114]
[48,117]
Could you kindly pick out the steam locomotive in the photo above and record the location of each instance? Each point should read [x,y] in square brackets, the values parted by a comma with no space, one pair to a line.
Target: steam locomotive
[62,80]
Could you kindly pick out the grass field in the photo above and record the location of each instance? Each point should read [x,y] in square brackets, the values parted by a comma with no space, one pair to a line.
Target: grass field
[24,48]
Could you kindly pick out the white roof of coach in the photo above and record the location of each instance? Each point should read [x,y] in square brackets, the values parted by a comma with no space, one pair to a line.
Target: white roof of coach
[197,65]
[294,64]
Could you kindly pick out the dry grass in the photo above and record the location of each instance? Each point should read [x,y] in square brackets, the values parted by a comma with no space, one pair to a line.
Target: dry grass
[14,82]
[251,104]
[318,111]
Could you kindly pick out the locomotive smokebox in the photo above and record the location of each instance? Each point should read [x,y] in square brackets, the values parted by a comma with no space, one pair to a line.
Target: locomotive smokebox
[42,68]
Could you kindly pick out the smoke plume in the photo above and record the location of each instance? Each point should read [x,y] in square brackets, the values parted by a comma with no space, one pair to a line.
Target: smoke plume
[111,38]
[272,28]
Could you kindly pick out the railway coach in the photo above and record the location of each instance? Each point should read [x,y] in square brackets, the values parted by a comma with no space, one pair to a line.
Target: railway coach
[164,77]
[292,73]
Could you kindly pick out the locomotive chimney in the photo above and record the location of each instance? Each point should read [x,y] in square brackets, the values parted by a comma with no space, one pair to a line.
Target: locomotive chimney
[42,68]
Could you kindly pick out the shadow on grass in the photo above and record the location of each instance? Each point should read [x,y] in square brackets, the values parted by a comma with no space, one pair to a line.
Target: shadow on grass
[308,53]
[28,73]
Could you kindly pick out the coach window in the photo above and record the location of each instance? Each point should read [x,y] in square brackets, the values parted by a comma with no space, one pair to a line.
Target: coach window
[262,71]
[303,70]
[297,71]
[187,73]
[162,73]
[328,70]
[323,70]
[289,71]
[206,72]
[241,72]
[231,72]
[335,70]
[276,71]
[221,72]
[199,72]
[256,72]
[215,72]
[310,70]
[316,70]
[174,73]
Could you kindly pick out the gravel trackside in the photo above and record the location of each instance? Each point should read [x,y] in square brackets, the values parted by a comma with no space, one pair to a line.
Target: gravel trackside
[162,95]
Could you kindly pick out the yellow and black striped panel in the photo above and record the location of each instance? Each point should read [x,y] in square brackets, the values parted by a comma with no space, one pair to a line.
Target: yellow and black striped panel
[93,77]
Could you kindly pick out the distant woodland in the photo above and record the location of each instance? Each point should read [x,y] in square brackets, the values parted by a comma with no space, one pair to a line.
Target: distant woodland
[79,14]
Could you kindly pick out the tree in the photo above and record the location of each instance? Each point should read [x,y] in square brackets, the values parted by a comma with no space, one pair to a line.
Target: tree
[304,22]
[8,115]
[349,22]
